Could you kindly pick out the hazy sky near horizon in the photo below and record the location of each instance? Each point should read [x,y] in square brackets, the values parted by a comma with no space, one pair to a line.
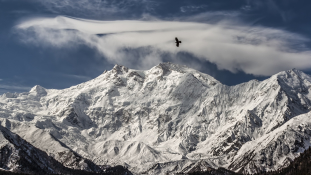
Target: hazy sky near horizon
[60,43]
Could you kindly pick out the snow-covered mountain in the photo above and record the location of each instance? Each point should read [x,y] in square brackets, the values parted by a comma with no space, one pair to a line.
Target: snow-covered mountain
[167,119]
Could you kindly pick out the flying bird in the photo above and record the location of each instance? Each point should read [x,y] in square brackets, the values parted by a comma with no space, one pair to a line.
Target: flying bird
[177,41]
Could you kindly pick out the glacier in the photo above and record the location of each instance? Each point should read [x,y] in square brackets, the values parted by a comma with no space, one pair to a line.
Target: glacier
[168,119]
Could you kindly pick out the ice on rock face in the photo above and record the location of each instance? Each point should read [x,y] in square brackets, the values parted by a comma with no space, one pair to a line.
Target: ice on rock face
[170,118]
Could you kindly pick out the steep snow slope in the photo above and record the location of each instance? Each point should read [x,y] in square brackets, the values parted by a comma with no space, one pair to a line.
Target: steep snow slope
[19,156]
[275,149]
[166,119]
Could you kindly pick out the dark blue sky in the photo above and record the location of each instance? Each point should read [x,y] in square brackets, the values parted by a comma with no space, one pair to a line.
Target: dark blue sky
[23,65]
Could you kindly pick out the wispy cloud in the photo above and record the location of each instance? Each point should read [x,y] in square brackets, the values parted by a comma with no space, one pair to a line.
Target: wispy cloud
[13,88]
[97,8]
[80,77]
[284,9]
[193,8]
[141,44]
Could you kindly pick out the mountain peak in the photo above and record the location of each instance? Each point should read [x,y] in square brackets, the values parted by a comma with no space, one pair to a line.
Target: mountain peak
[119,69]
[38,90]
[171,66]
[291,71]
[296,71]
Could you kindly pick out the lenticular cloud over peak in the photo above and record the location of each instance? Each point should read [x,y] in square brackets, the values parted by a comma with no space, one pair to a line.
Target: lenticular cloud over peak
[141,44]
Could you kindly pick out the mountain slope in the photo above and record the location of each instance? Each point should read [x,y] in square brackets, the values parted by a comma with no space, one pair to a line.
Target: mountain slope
[19,156]
[166,119]
[300,165]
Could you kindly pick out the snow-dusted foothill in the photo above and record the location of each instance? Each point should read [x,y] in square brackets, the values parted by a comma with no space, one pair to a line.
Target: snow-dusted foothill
[167,119]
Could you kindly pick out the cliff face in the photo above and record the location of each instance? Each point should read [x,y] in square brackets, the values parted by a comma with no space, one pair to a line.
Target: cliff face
[167,119]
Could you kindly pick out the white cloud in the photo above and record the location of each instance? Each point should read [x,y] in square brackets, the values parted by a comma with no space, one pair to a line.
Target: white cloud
[141,44]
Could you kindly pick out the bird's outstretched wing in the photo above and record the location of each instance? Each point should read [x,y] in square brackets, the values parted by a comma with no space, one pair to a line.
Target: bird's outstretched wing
[176,39]
[177,44]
